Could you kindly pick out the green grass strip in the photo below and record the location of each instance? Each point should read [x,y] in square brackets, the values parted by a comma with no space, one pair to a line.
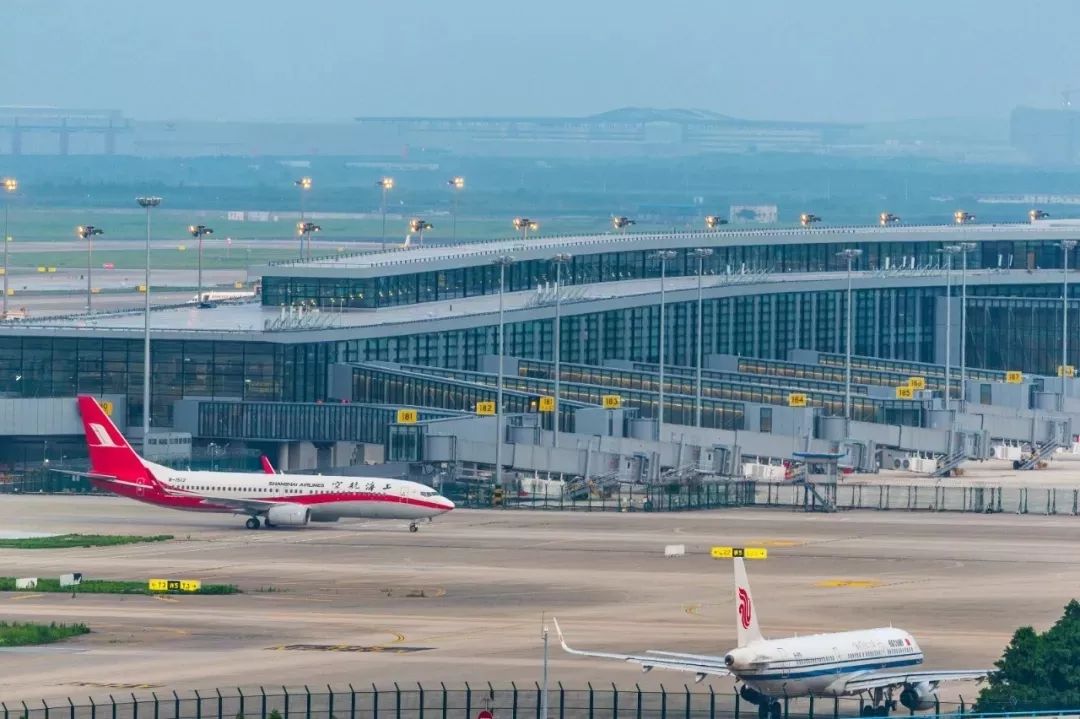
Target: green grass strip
[69,541]
[17,634]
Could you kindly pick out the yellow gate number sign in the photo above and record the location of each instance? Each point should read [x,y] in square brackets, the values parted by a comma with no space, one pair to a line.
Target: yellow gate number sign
[407,416]
[485,408]
[905,392]
[1014,377]
[916,383]
[546,404]
[611,401]
[106,407]
[796,399]
[1066,370]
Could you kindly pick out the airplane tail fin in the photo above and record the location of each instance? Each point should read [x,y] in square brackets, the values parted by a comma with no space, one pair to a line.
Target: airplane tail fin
[267,468]
[110,453]
[746,620]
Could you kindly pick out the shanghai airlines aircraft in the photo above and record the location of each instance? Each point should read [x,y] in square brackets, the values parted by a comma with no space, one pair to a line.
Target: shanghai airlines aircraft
[267,498]
[876,662]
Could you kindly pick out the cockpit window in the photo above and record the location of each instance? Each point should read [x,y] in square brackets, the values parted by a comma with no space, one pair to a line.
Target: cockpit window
[428,494]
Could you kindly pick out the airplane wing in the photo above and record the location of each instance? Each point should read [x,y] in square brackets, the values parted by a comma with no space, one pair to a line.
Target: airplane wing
[701,665]
[91,475]
[891,679]
[239,504]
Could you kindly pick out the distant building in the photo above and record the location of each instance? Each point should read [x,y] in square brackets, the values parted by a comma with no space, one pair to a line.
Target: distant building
[1047,137]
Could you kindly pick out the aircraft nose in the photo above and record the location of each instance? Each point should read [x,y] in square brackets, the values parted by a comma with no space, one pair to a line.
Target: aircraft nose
[446,503]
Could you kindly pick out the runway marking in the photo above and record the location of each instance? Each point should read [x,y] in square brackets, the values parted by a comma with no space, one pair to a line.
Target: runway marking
[779,543]
[849,583]
[113,685]
[368,649]
[163,598]
[692,609]
[21,597]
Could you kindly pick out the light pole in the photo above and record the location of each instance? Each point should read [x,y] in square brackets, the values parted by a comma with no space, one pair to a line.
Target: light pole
[456,185]
[198,232]
[502,262]
[850,255]
[701,253]
[559,259]
[418,226]
[385,184]
[147,203]
[949,251]
[965,248]
[304,183]
[87,232]
[544,689]
[664,256]
[524,224]
[305,229]
[1066,248]
[10,185]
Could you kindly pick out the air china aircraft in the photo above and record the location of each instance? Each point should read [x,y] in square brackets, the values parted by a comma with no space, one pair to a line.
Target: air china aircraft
[267,499]
[877,662]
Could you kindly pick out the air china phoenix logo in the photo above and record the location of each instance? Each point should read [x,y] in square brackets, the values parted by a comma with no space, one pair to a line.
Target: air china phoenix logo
[745,610]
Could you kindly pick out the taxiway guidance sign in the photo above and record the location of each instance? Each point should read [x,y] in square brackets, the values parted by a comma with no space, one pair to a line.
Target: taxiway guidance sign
[744,552]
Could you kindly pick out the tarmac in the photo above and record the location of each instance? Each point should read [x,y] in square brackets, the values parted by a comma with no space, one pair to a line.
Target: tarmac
[464,598]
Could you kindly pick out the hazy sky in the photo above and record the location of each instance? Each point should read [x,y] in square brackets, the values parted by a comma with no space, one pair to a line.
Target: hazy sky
[335,59]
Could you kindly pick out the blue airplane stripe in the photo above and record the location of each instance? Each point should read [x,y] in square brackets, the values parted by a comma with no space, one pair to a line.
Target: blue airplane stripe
[832,669]
[823,662]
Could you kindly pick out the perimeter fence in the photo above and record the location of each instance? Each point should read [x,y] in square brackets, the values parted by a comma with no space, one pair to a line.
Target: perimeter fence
[936,497]
[441,702]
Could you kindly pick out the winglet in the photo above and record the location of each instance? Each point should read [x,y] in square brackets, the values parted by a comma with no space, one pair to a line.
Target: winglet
[559,634]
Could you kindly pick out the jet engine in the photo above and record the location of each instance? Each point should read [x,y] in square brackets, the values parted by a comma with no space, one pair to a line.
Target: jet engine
[288,515]
[919,696]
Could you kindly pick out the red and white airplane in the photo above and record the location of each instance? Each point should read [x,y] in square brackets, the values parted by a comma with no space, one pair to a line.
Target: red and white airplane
[266,498]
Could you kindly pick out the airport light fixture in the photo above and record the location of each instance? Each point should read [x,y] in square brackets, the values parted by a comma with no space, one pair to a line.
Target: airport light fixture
[701,253]
[385,184]
[664,256]
[714,221]
[806,219]
[418,226]
[304,184]
[456,185]
[965,248]
[1067,246]
[87,233]
[849,255]
[502,262]
[949,251]
[198,232]
[11,186]
[961,217]
[525,225]
[147,203]
[888,218]
[621,223]
[305,230]
[1037,214]
[560,259]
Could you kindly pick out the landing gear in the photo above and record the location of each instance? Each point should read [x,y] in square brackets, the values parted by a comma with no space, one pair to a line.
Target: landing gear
[770,710]
[252,523]
[266,523]
[414,527]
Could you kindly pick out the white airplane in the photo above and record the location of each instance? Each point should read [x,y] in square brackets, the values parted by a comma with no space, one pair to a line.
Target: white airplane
[877,662]
[266,498]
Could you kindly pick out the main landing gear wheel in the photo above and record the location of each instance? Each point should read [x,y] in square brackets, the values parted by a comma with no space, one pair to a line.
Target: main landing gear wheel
[776,711]
[413,527]
[252,523]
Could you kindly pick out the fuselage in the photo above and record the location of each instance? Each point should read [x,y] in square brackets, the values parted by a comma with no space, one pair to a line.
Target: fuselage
[327,497]
[820,664]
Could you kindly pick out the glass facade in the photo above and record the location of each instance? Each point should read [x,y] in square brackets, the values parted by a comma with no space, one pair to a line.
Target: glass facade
[450,284]
[59,367]
[1021,335]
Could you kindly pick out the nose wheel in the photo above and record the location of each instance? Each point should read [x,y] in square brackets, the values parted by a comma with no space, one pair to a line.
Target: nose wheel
[252,523]
[414,527]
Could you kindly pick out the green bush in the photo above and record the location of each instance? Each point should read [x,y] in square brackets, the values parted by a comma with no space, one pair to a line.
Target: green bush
[69,541]
[17,634]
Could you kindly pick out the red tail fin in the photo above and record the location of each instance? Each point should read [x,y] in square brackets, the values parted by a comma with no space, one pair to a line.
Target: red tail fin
[109,452]
[266,466]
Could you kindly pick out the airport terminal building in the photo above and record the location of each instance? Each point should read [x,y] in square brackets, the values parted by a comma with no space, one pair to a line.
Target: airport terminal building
[313,373]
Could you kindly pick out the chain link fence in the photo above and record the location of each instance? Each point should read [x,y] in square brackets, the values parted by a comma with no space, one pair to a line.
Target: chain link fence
[440,702]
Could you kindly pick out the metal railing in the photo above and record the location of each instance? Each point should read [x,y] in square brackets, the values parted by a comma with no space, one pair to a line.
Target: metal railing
[440,702]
